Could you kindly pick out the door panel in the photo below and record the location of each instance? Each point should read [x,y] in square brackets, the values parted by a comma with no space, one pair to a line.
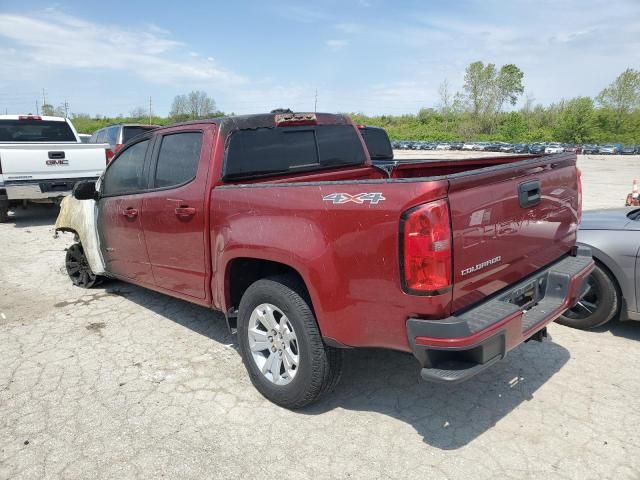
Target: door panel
[174,217]
[122,238]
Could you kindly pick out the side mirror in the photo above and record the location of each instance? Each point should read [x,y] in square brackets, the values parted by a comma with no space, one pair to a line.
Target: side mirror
[85,191]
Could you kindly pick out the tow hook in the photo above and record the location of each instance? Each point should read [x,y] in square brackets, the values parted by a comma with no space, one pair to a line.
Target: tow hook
[539,336]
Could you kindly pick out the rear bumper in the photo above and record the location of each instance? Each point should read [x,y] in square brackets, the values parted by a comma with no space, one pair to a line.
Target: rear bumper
[42,189]
[457,348]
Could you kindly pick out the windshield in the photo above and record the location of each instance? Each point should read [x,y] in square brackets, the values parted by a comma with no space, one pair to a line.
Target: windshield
[35,131]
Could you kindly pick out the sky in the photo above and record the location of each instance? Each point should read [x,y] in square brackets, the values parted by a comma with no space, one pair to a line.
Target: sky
[368,56]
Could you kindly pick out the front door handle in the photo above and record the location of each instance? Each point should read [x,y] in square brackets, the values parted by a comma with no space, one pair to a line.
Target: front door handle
[130,212]
[185,212]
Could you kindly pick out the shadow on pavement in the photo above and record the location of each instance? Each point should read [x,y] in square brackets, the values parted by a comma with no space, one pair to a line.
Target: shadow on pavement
[34,215]
[629,329]
[387,382]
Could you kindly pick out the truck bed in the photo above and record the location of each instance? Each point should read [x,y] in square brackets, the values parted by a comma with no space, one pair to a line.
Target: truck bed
[354,242]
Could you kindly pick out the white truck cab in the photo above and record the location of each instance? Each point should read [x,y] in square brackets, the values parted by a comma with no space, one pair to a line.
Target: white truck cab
[42,158]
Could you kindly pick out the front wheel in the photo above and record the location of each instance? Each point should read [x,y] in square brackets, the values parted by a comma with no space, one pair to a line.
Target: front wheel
[281,345]
[597,306]
[78,268]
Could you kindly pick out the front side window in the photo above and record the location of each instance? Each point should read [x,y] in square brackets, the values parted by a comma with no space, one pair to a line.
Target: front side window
[125,173]
[178,159]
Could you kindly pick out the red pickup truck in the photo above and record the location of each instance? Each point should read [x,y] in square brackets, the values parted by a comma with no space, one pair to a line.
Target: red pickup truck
[282,222]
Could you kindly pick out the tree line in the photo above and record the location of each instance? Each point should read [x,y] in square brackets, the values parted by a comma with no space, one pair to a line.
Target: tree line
[483,110]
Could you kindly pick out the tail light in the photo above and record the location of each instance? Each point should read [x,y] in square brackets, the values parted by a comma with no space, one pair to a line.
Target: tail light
[29,117]
[579,173]
[108,153]
[426,249]
[118,147]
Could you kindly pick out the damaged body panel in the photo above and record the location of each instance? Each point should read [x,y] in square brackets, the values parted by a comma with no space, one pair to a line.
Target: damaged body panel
[79,217]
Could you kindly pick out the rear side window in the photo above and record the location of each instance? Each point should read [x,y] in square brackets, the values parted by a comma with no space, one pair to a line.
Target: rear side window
[273,151]
[125,173]
[35,131]
[378,143]
[133,131]
[178,159]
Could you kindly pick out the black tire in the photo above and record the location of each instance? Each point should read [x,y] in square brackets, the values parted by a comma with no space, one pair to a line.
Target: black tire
[78,268]
[4,215]
[320,366]
[598,306]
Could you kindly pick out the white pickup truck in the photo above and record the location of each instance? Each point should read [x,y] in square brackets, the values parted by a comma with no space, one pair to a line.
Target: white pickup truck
[42,158]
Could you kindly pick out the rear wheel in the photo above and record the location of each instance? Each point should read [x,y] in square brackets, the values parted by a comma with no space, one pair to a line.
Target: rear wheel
[281,345]
[598,306]
[78,268]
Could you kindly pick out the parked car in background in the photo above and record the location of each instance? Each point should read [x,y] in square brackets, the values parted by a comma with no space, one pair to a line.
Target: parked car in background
[610,149]
[521,148]
[590,149]
[554,148]
[468,146]
[117,135]
[480,146]
[456,145]
[443,146]
[629,150]
[536,148]
[613,235]
[276,219]
[507,148]
[572,148]
[41,159]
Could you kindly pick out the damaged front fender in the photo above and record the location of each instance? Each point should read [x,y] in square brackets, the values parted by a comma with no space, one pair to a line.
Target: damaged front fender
[79,217]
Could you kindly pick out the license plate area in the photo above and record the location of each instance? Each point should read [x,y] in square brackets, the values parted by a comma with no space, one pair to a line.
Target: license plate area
[528,294]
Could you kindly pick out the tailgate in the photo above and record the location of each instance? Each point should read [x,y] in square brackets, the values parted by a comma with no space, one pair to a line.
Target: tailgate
[40,161]
[509,221]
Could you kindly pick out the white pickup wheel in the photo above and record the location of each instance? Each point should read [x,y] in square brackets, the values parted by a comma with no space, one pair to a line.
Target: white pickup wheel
[281,345]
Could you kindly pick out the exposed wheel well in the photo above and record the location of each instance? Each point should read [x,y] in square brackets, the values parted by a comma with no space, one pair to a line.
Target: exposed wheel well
[245,271]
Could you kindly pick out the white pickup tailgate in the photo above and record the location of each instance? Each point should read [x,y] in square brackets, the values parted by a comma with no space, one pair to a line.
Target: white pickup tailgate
[51,161]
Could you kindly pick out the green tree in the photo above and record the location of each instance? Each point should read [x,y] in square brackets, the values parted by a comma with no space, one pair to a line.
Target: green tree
[622,96]
[515,127]
[47,109]
[488,89]
[576,123]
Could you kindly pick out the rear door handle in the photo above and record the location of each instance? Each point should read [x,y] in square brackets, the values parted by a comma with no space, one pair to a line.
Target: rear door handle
[185,212]
[130,212]
[529,193]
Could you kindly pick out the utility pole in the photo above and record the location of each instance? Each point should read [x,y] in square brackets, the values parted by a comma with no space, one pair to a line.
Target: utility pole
[149,110]
[315,104]
[37,108]
[66,108]
[44,98]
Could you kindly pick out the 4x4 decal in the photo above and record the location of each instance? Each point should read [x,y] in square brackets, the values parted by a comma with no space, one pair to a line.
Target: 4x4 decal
[340,198]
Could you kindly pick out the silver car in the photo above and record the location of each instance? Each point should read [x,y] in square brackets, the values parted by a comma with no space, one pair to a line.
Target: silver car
[614,238]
